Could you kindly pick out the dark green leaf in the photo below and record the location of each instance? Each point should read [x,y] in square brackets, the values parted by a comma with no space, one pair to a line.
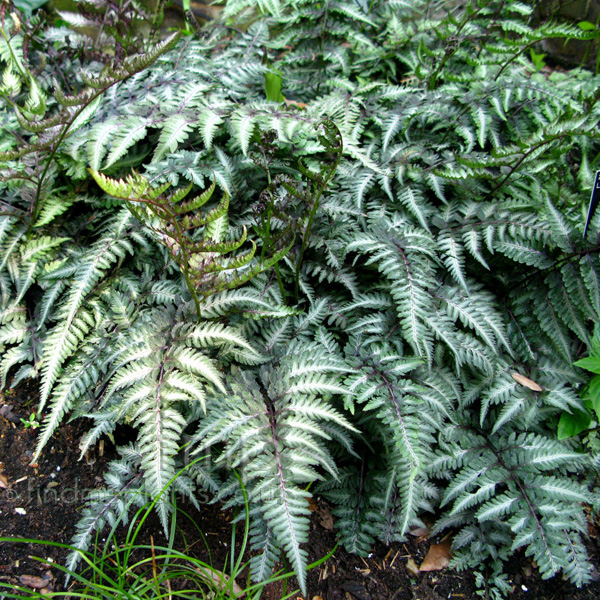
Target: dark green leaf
[591,363]
[573,424]
[273,83]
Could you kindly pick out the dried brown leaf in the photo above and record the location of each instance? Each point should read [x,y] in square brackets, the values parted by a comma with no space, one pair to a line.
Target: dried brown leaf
[438,556]
[411,566]
[325,518]
[3,482]
[221,581]
[420,532]
[525,381]
[32,581]
[295,103]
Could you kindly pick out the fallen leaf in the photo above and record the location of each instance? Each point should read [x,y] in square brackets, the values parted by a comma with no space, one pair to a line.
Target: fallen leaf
[3,481]
[438,556]
[411,566]
[326,518]
[294,103]
[221,581]
[420,532]
[525,381]
[35,582]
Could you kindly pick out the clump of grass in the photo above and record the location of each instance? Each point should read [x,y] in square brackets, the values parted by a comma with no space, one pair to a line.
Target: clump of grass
[128,570]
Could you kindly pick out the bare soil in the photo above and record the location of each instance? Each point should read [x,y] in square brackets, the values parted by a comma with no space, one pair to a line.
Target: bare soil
[44,502]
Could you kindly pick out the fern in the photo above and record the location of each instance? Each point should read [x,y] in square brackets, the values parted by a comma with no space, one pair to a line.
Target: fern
[517,495]
[271,428]
[402,327]
[201,260]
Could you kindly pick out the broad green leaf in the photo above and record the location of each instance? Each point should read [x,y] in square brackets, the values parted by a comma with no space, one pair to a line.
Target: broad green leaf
[591,363]
[592,393]
[273,83]
[586,26]
[573,424]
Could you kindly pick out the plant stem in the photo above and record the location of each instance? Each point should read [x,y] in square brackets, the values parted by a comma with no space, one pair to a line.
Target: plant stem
[311,216]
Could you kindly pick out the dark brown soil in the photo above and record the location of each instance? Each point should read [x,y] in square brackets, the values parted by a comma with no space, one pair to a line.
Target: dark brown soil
[44,501]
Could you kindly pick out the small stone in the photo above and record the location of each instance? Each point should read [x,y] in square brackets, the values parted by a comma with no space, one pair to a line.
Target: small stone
[20,511]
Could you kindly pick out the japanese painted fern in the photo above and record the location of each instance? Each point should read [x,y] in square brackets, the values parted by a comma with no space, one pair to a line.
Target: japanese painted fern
[419,289]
